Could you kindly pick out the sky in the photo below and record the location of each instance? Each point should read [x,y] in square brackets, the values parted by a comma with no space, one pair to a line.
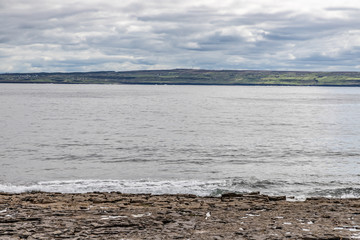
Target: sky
[123,35]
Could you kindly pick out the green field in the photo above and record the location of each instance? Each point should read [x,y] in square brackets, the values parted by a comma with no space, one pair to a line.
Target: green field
[191,76]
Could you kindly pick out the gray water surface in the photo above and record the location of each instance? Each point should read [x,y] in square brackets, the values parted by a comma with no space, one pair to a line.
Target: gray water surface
[301,141]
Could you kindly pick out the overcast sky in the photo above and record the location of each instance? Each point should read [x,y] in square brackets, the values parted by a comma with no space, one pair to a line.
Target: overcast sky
[93,35]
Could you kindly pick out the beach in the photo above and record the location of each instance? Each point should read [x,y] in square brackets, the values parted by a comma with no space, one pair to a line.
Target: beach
[175,153]
[41,215]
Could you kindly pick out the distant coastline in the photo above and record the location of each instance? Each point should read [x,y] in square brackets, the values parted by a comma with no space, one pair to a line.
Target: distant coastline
[192,77]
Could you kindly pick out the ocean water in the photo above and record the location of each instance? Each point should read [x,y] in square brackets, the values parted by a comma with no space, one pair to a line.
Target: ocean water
[204,140]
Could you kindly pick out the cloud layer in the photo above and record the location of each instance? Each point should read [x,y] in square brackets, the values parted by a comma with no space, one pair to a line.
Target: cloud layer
[92,35]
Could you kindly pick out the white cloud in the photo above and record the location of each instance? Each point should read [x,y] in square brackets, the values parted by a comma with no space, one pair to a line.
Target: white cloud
[84,35]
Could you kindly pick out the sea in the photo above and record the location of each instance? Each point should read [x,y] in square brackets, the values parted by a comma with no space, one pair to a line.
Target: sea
[168,139]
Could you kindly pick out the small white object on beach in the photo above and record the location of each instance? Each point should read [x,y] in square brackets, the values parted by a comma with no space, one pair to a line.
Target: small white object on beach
[241,229]
[252,215]
[306,230]
[310,222]
[118,217]
[287,223]
[208,214]
[354,230]
[113,217]
[2,211]
[140,215]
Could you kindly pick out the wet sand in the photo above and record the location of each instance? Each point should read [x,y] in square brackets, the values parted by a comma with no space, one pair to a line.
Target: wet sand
[127,216]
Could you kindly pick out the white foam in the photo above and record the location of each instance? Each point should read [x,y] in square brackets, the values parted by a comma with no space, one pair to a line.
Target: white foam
[301,198]
[197,187]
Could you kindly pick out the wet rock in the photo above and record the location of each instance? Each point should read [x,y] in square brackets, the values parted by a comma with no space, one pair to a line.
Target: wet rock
[231,195]
[277,198]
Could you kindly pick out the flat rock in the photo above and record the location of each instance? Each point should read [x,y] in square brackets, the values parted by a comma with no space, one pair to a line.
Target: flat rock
[114,215]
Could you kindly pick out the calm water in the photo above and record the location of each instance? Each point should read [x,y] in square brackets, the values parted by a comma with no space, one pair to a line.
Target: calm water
[297,141]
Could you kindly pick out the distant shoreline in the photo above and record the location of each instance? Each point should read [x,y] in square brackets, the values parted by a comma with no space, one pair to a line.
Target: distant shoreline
[182,84]
[192,77]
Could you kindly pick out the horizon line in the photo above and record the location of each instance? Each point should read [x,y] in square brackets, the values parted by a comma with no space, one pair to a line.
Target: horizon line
[180,69]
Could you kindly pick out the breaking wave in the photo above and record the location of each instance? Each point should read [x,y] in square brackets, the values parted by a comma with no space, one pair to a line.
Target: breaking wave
[197,187]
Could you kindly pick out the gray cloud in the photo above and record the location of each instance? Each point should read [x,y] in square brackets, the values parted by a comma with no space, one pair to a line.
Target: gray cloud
[342,9]
[159,34]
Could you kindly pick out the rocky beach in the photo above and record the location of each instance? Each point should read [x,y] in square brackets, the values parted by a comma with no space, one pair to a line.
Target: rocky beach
[40,215]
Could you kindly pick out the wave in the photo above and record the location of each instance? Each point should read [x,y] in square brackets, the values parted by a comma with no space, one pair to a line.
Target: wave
[197,187]
[348,192]
[200,188]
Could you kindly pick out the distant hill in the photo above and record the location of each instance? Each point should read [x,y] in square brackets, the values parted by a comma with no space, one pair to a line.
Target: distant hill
[191,77]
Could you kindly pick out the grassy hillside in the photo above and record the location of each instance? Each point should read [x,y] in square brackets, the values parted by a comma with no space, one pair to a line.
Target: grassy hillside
[190,76]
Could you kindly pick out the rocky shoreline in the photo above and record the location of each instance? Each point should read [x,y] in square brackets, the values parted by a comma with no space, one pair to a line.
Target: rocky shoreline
[40,215]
